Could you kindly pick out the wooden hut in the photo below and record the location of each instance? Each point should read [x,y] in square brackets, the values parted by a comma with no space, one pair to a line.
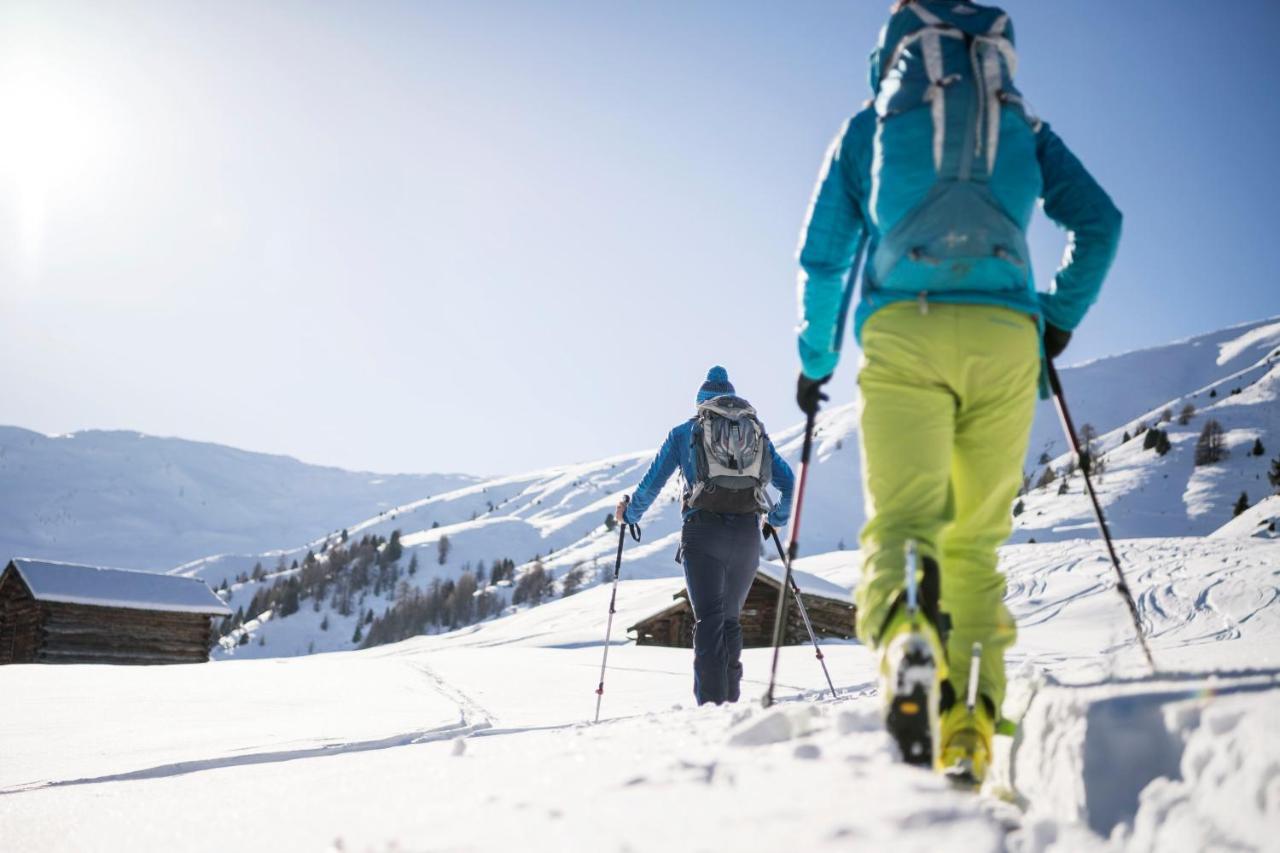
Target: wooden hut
[830,610]
[67,613]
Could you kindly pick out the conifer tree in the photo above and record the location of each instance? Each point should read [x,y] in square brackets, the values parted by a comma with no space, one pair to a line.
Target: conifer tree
[1258,449]
[1210,446]
[1047,477]
[1019,508]
[1242,503]
[442,549]
[572,581]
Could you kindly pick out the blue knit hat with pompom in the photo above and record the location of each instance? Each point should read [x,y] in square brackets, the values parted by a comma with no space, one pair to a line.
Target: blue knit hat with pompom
[717,384]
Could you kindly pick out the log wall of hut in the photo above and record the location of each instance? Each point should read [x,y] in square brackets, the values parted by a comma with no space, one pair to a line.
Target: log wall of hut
[75,633]
[830,617]
[34,631]
[19,620]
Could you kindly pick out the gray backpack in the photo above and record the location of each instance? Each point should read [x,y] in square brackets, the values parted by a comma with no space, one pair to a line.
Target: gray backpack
[732,460]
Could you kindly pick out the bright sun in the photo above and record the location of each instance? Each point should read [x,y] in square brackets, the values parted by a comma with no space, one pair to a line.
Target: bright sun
[52,131]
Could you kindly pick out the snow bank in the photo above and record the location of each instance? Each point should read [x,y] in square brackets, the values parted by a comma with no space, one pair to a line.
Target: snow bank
[1180,763]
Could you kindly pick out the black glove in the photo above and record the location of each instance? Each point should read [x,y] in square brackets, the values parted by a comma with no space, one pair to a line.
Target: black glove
[809,396]
[1055,341]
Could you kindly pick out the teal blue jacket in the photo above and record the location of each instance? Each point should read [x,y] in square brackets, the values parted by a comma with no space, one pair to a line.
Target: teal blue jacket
[838,230]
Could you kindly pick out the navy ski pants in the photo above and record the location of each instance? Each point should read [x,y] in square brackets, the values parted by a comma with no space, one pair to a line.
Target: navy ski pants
[720,553]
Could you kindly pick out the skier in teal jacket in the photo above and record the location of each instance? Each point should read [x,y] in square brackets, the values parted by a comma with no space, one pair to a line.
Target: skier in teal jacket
[936,181]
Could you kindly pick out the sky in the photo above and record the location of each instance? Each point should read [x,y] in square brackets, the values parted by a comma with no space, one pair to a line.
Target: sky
[496,236]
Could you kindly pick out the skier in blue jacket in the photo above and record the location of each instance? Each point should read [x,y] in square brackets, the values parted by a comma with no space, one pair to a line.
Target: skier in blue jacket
[720,551]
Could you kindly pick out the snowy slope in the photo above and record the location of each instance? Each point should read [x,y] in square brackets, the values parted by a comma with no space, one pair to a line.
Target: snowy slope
[1146,494]
[136,501]
[1110,392]
[556,515]
[478,740]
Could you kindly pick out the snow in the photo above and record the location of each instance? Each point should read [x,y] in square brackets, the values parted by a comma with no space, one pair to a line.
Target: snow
[810,584]
[1262,520]
[75,584]
[555,515]
[480,740]
[1266,335]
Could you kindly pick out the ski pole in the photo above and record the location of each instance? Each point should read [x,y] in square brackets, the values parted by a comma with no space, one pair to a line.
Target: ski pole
[1123,587]
[804,611]
[793,547]
[623,528]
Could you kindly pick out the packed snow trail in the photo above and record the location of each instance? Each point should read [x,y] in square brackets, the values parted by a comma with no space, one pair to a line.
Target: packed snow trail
[478,740]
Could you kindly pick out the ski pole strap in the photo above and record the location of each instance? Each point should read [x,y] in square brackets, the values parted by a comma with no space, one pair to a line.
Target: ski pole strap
[634,530]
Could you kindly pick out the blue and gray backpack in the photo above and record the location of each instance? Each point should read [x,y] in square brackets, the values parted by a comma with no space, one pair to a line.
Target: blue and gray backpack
[731,458]
[954,176]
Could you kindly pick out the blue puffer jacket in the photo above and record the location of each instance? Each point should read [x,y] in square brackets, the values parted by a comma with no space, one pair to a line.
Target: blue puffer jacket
[678,450]
[838,228]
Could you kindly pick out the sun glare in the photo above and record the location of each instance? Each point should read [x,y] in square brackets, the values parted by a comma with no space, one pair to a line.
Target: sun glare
[52,133]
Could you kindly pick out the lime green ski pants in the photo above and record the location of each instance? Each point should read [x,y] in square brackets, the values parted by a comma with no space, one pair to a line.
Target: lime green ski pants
[948,394]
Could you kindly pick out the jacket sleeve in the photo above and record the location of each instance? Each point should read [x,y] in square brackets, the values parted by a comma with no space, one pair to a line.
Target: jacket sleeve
[785,482]
[1075,201]
[660,470]
[829,243]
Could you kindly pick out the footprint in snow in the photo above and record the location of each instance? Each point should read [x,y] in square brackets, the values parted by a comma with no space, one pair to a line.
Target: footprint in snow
[776,726]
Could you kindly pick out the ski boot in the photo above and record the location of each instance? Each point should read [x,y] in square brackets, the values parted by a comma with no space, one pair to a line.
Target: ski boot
[967,731]
[913,664]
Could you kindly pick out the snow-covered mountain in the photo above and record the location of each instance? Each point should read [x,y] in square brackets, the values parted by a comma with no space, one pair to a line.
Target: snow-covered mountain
[556,516]
[141,502]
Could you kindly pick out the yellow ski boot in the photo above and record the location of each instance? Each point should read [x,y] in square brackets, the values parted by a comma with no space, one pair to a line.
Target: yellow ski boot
[967,732]
[913,664]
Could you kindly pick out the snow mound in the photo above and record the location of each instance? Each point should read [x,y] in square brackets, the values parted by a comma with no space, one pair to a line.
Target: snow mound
[1180,762]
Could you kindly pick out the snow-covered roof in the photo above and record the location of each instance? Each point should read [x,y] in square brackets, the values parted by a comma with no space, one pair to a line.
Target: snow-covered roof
[809,584]
[70,583]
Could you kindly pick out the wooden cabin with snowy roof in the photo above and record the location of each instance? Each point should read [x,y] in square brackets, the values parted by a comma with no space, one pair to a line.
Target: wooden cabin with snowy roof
[830,610]
[67,613]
